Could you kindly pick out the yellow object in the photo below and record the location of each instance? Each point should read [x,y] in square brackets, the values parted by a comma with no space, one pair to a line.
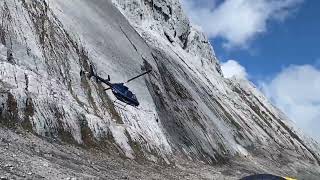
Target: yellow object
[287,178]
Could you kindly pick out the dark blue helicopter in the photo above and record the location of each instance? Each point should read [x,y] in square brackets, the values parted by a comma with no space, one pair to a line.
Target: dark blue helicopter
[120,91]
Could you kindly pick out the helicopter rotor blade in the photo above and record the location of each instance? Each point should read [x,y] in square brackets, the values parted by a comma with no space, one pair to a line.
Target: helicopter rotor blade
[139,76]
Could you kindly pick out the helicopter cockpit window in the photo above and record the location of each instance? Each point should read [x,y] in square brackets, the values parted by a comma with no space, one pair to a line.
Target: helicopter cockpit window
[121,88]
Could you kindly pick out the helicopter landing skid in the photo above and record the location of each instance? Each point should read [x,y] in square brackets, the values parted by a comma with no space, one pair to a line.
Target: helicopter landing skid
[119,105]
[122,106]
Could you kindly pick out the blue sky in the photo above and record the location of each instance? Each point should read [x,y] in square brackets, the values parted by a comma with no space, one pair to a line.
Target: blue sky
[294,41]
[273,43]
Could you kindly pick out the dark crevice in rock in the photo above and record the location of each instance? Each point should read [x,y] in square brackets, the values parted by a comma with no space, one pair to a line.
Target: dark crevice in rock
[163,14]
[168,37]
[86,133]
[2,36]
[170,9]
[149,3]
[28,113]
[27,81]
[10,117]
[184,39]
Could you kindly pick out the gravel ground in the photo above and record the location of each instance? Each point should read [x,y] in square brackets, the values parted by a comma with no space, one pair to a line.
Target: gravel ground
[26,156]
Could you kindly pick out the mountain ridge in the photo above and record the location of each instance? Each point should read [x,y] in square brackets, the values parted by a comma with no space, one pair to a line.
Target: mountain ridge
[188,109]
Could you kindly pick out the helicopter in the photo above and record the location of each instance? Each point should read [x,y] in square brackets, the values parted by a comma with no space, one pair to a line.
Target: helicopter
[120,90]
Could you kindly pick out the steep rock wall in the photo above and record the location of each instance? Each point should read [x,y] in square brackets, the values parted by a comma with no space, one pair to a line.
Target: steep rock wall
[187,107]
[213,116]
[41,85]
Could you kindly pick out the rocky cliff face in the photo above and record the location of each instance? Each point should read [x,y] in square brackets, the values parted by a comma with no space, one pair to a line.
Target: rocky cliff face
[243,117]
[167,20]
[188,109]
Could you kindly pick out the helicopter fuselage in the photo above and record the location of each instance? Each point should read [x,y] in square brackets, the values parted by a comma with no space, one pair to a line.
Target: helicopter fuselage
[120,91]
[123,94]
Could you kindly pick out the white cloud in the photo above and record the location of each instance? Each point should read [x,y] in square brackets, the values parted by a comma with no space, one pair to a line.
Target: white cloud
[232,68]
[296,91]
[237,21]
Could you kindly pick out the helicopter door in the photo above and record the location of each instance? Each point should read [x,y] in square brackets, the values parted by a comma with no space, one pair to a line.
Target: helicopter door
[129,94]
